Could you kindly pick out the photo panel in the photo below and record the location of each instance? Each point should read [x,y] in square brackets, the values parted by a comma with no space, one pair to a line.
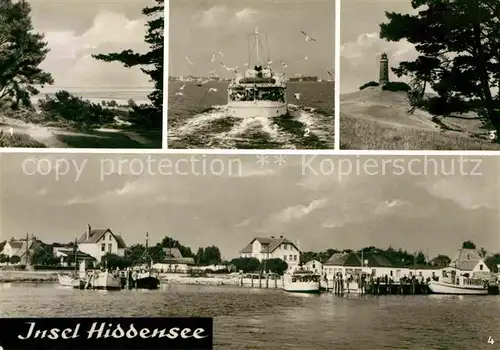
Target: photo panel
[81,74]
[251,74]
[274,248]
[419,76]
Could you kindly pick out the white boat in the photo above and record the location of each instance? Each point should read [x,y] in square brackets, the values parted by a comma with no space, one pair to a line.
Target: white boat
[259,92]
[68,281]
[450,283]
[104,280]
[301,281]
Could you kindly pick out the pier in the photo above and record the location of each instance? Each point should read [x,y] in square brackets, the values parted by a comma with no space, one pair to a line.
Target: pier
[340,286]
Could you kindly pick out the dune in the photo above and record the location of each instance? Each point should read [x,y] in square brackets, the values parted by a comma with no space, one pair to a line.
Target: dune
[377,119]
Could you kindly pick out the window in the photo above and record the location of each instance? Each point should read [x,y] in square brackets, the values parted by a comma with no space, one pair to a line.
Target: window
[481,267]
[110,248]
[103,247]
[109,237]
[390,273]
[290,257]
[374,272]
[285,246]
[295,259]
[420,273]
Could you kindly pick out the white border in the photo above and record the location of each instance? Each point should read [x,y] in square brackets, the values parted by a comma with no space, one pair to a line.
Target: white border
[228,152]
[337,74]
[166,61]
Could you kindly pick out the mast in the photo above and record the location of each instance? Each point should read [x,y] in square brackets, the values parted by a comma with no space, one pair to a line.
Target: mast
[257,44]
[75,253]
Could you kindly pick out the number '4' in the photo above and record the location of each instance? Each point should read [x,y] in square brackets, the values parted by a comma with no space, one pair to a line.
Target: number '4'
[491,340]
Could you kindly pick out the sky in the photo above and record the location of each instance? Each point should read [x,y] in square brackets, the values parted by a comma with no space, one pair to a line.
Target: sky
[361,45]
[199,29]
[75,29]
[300,198]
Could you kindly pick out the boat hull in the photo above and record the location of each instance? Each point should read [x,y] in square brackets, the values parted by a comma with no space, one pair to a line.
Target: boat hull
[302,287]
[70,282]
[252,109]
[106,281]
[446,288]
[149,282]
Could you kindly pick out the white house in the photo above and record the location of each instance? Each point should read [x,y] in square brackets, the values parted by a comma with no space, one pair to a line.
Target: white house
[263,248]
[470,261]
[174,262]
[22,248]
[315,266]
[99,242]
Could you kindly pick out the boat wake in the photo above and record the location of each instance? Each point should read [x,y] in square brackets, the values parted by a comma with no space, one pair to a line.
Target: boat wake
[302,128]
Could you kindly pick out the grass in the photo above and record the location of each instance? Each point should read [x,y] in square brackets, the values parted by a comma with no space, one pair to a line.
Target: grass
[364,134]
[19,140]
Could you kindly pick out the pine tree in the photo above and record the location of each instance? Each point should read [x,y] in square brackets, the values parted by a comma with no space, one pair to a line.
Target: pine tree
[149,115]
[21,52]
[459,46]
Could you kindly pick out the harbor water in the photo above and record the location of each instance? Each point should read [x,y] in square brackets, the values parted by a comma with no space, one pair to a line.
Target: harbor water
[246,318]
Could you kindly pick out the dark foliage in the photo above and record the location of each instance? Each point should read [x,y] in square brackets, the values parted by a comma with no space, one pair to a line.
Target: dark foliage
[369,84]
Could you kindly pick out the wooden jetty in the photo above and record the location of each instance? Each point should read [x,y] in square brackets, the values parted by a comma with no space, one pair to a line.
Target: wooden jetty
[340,286]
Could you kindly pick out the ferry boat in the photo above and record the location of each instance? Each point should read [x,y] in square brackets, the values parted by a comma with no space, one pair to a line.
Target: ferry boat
[452,282]
[301,281]
[259,92]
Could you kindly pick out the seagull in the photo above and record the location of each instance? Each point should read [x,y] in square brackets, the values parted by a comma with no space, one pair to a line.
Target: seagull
[245,64]
[308,37]
[305,58]
[212,90]
[213,58]
[182,87]
[189,60]
[179,94]
[330,73]
[297,95]
[269,62]
[220,53]
[284,64]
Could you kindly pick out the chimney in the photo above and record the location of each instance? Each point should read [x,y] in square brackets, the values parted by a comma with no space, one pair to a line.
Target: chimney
[89,231]
[281,236]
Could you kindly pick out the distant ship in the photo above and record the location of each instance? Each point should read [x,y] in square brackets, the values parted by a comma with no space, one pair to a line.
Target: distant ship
[259,92]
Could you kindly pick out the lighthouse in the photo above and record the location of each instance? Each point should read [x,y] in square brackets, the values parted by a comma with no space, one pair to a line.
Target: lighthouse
[384,70]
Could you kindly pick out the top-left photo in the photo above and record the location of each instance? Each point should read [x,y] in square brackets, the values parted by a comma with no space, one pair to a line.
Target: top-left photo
[81,74]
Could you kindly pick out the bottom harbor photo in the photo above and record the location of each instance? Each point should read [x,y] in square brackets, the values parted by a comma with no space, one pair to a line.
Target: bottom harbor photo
[297,251]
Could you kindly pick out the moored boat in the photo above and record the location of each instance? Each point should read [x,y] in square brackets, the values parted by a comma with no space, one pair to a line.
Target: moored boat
[259,92]
[451,283]
[68,281]
[105,280]
[301,281]
[146,277]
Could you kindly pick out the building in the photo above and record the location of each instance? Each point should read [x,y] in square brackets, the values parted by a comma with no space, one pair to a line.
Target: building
[23,248]
[315,266]
[470,261]
[174,262]
[99,242]
[370,263]
[263,248]
[384,70]
[68,256]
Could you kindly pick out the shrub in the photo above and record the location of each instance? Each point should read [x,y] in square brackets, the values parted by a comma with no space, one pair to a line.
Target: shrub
[396,86]
[70,108]
[19,140]
[370,83]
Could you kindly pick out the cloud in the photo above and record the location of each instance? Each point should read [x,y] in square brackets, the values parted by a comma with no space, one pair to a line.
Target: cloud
[243,223]
[70,60]
[220,15]
[300,211]
[467,197]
